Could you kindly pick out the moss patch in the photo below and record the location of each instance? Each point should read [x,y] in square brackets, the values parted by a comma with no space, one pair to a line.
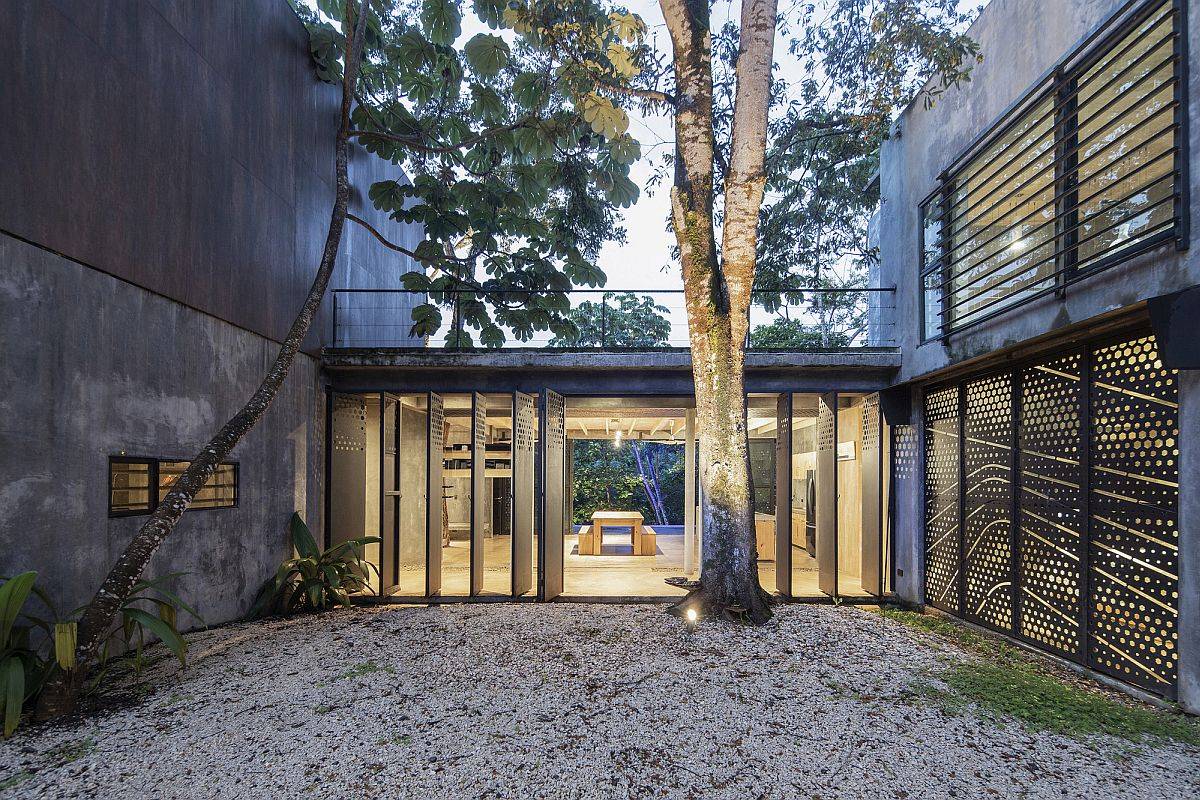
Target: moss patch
[1008,683]
[15,780]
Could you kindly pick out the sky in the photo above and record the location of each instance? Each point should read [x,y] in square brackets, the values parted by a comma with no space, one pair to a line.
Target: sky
[644,261]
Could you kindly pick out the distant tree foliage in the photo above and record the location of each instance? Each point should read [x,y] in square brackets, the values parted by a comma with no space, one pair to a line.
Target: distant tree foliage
[618,320]
[866,60]
[606,477]
[792,334]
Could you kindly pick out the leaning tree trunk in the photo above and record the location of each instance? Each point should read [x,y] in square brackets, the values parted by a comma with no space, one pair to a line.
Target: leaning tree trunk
[717,295]
[60,692]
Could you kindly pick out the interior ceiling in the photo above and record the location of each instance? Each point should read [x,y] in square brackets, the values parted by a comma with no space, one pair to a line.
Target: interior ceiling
[651,418]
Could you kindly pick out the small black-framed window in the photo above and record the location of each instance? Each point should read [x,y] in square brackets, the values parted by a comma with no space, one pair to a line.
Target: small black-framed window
[932,266]
[137,484]
[132,486]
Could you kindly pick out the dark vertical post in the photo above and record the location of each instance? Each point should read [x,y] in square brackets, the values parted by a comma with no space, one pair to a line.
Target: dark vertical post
[328,466]
[1066,179]
[783,494]
[945,234]
[604,320]
[458,322]
[334,338]
[1014,486]
[381,568]
[962,498]
[1183,188]
[1085,500]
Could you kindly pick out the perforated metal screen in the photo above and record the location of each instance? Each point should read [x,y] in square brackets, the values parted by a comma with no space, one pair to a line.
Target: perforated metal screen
[941,498]
[1064,476]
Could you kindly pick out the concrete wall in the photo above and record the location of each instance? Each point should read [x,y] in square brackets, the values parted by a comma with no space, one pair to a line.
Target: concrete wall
[186,148]
[1020,41]
[94,367]
[164,198]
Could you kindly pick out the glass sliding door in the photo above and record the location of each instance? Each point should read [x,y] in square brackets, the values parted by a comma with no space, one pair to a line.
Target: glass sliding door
[354,487]
[803,464]
[457,485]
[412,438]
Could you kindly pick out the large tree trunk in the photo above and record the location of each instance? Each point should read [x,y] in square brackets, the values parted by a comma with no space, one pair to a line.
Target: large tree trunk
[59,694]
[717,295]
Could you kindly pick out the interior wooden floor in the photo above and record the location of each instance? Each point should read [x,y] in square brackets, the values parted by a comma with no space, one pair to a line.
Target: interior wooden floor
[614,573]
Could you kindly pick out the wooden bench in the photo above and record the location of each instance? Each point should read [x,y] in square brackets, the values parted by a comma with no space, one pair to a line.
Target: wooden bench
[643,541]
[585,542]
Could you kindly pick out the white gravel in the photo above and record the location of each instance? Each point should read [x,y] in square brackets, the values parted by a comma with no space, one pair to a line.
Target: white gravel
[561,702]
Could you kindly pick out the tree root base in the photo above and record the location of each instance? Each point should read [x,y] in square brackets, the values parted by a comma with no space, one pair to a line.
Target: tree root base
[752,610]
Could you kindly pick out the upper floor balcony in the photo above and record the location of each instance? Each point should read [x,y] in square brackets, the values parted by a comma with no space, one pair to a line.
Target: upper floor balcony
[1084,171]
[617,320]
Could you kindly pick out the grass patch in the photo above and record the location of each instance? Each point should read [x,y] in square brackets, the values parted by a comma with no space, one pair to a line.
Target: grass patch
[67,752]
[15,779]
[1009,683]
[395,740]
[366,668]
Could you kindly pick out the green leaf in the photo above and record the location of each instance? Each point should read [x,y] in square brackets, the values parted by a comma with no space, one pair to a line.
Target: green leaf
[478,159]
[302,538]
[486,104]
[625,149]
[387,195]
[427,319]
[411,51]
[169,636]
[622,60]
[415,281]
[624,192]
[487,54]
[420,88]
[490,11]
[531,89]
[12,692]
[13,593]
[491,336]
[326,44]
[441,21]
[605,118]
[628,26]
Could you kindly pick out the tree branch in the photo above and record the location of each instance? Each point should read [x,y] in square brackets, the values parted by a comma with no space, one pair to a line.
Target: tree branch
[415,144]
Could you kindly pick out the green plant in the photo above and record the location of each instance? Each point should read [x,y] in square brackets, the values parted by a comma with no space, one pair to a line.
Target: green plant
[150,609]
[23,668]
[315,579]
[1008,683]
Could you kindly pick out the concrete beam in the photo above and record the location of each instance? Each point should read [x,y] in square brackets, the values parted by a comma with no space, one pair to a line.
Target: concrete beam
[593,360]
[596,373]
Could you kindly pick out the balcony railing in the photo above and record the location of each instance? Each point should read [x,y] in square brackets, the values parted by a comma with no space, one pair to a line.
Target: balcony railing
[622,319]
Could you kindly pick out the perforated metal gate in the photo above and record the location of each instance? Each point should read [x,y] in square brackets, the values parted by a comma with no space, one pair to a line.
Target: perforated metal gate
[1051,497]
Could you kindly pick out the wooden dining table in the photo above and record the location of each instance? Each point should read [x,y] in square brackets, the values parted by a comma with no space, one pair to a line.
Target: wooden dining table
[615,519]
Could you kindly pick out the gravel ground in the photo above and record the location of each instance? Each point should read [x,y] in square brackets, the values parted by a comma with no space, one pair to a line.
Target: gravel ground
[566,701]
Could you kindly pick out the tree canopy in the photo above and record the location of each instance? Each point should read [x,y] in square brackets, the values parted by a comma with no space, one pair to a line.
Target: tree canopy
[514,142]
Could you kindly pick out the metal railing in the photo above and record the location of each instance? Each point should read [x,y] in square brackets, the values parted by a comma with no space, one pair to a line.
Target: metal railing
[620,319]
[1084,172]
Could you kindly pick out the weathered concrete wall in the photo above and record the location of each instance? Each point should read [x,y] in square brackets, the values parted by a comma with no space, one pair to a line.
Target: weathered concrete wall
[165,192]
[94,367]
[1189,541]
[1020,41]
[186,148]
